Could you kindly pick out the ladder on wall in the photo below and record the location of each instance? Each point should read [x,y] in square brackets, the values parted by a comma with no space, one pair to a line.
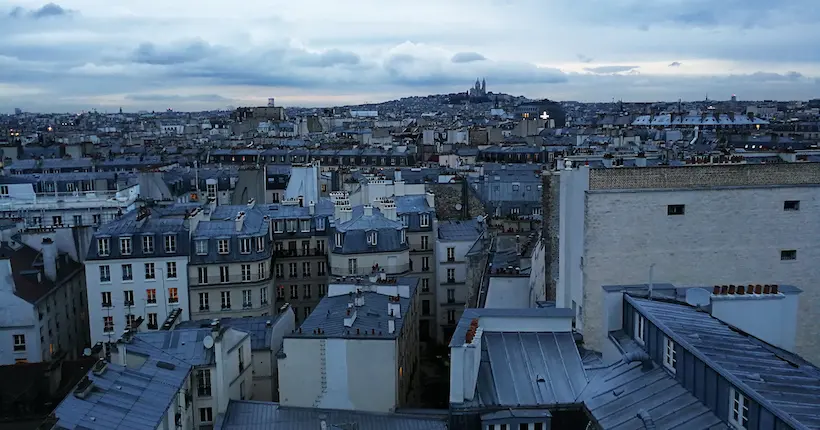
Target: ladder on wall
[323,376]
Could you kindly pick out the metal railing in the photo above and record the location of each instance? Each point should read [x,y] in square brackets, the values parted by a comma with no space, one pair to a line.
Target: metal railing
[366,271]
[231,278]
[311,252]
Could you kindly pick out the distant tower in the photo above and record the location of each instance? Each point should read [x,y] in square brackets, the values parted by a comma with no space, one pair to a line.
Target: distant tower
[483,87]
[271,102]
[734,98]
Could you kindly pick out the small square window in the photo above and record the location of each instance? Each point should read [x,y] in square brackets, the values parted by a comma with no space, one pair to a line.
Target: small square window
[675,209]
[669,359]
[791,205]
[738,409]
[787,255]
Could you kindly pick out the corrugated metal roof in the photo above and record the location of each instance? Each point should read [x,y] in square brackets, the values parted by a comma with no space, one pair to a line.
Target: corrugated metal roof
[247,415]
[261,333]
[182,344]
[789,390]
[467,231]
[530,369]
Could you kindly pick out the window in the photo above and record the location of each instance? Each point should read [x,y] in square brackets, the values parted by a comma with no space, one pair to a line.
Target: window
[294,291]
[226,299]
[321,268]
[451,295]
[738,409]
[170,244]
[241,368]
[320,224]
[202,247]
[130,321]
[320,246]
[246,272]
[669,359]
[263,295]
[241,385]
[791,205]
[352,266]
[339,238]
[451,316]
[206,415]
[291,225]
[451,275]
[280,293]
[203,382]
[204,301]
[108,324]
[424,220]
[19,343]
[451,254]
[106,299]
[262,270]
[260,244]
[171,270]
[245,246]
[305,225]
[223,246]
[640,329]
[78,220]
[279,270]
[57,220]
[173,295]
[539,426]
[147,244]
[128,297]
[125,245]
[151,296]
[105,274]
[150,272]
[202,273]
[152,321]
[127,272]
[789,254]
[425,263]
[96,218]
[675,209]
[425,242]
[425,307]
[224,274]
[278,227]
[322,289]
[306,291]
[306,310]
[103,247]
[306,269]
[247,300]
[405,220]
[516,187]
[4,190]
[425,285]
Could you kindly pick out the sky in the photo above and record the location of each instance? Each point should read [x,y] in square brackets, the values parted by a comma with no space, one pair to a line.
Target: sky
[210,54]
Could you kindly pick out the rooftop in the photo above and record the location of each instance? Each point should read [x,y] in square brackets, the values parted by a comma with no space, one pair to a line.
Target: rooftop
[260,328]
[468,231]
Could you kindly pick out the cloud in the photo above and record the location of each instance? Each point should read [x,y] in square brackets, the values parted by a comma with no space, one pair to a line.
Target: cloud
[607,70]
[675,64]
[148,53]
[584,59]
[467,57]
[176,98]
[46,11]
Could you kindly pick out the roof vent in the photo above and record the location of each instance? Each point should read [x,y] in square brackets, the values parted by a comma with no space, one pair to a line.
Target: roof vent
[166,365]
[83,388]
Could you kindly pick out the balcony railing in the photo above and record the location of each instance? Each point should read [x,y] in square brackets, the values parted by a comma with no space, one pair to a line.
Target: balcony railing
[232,278]
[286,253]
[366,271]
[67,200]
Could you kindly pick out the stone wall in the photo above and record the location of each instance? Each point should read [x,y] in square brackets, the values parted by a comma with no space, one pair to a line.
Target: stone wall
[448,195]
[550,198]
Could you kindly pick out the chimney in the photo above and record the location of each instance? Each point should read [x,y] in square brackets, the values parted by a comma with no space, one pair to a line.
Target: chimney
[312,207]
[640,161]
[368,210]
[50,258]
[388,208]
[239,220]
[394,308]
[397,175]
[350,316]
[763,311]
[431,199]
[251,203]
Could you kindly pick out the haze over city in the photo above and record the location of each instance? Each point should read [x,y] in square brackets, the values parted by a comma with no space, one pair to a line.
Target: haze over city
[151,55]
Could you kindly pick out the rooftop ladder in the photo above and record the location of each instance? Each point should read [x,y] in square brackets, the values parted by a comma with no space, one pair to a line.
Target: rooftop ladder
[323,365]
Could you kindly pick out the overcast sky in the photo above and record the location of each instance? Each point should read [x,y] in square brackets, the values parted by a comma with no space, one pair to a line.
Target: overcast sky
[210,54]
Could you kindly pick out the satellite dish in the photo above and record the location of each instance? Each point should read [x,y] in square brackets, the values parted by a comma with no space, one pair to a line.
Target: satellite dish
[87,352]
[208,342]
[458,206]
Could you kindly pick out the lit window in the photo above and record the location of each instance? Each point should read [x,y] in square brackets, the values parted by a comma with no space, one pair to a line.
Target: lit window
[669,359]
[738,409]
[640,329]
[151,296]
[173,295]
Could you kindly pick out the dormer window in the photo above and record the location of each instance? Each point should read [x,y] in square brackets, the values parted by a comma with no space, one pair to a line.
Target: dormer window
[148,244]
[125,246]
[291,224]
[260,244]
[278,227]
[339,239]
[305,225]
[372,238]
[223,246]
[202,247]
[170,244]
[403,236]
[103,247]
[245,246]
[405,220]
[320,224]
[424,220]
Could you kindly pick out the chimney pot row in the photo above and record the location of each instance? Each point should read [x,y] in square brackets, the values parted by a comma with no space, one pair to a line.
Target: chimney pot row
[722,290]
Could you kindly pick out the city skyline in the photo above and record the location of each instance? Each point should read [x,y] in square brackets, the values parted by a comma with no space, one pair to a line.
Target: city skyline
[84,54]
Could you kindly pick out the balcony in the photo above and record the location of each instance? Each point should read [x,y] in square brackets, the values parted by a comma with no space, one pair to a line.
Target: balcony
[360,271]
[232,278]
[290,253]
